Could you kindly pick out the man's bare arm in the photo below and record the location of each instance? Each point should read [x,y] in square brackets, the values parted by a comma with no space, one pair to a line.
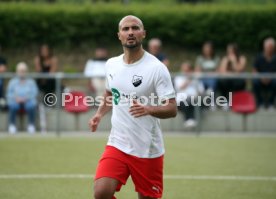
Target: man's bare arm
[105,107]
[167,110]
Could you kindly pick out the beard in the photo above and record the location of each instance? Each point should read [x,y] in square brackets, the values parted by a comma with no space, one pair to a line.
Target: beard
[131,46]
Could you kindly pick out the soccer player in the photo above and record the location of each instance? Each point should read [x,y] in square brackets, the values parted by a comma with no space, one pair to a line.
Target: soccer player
[135,146]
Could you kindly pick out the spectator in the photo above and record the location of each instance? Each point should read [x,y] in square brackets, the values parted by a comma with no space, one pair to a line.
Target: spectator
[265,89]
[232,63]
[21,93]
[95,68]
[3,68]
[155,46]
[46,62]
[187,91]
[208,62]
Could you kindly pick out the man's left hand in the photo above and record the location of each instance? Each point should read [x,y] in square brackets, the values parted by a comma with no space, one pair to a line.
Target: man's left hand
[138,110]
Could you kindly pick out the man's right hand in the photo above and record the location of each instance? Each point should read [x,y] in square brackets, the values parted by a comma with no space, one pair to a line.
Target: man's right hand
[94,122]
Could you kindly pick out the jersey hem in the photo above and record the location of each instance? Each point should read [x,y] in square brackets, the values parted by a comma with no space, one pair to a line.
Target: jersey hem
[157,155]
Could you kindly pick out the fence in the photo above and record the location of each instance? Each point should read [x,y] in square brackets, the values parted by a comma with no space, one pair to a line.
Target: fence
[62,76]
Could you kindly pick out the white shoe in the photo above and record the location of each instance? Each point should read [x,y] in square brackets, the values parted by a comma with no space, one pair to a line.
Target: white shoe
[12,129]
[270,108]
[31,129]
[190,123]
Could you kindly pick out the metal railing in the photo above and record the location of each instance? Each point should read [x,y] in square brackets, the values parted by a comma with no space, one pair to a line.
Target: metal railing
[59,76]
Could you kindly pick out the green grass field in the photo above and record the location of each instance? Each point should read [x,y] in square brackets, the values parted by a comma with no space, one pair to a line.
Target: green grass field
[195,167]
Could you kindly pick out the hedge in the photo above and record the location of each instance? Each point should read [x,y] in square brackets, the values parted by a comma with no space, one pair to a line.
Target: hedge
[187,25]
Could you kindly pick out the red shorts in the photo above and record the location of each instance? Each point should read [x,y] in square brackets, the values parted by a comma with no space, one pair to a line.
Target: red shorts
[146,173]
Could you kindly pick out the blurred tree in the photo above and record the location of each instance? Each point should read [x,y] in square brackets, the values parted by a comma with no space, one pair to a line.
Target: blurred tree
[95,1]
[193,1]
[47,1]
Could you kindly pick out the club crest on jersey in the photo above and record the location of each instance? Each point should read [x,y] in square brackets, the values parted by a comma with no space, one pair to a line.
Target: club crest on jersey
[137,80]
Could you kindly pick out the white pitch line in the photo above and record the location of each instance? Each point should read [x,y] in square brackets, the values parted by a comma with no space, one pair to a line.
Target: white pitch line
[214,177]
[46,176]
[168,177]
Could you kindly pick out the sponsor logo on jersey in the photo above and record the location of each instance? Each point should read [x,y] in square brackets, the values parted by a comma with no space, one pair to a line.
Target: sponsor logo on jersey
[116,95]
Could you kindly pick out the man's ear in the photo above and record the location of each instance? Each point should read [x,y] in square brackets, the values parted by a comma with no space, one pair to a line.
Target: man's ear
[145,33]
[118,34]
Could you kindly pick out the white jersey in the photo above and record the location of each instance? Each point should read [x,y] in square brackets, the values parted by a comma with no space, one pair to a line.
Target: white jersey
[142,136]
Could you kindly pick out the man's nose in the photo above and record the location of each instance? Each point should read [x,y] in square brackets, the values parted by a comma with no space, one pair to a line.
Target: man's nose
[130,32]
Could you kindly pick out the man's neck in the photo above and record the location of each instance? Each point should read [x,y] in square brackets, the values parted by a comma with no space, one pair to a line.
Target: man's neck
[133,55]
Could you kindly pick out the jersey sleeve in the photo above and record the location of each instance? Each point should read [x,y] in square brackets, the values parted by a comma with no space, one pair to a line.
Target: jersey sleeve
[107,85]
[107,76]
[163,83]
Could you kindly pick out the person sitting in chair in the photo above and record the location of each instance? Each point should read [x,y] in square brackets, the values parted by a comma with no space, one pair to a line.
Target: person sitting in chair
[21,94]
